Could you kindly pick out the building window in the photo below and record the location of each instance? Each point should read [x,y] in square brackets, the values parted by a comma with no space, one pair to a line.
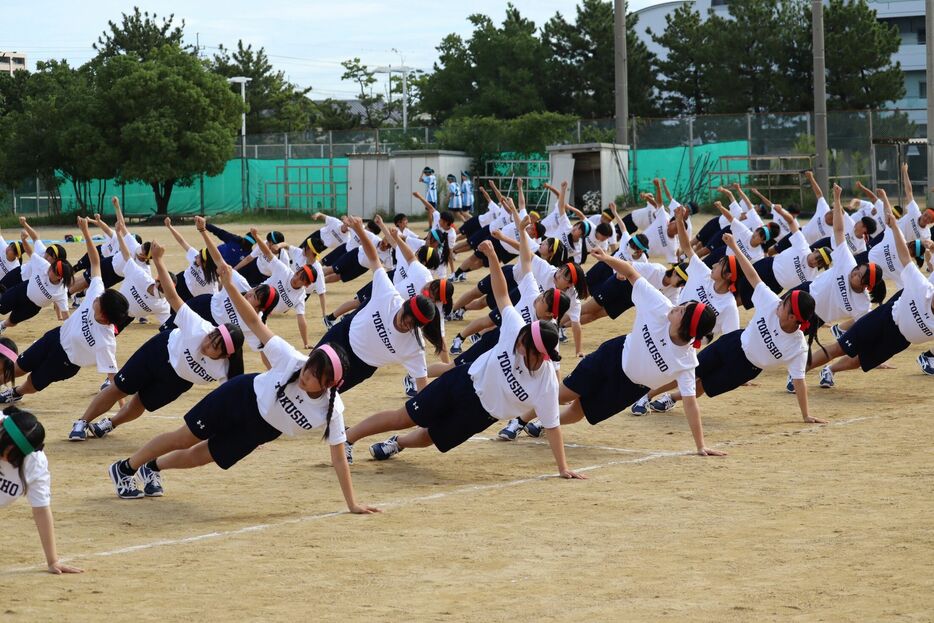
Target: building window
[922,90]
[19,61]
[922,36]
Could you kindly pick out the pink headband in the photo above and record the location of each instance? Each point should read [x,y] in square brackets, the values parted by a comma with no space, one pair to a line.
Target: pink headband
[335,363]
[228,341]
[8,353]
[537,339]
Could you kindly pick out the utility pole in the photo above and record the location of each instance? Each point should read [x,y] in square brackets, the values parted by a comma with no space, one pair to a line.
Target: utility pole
[820,95]
[621,77]
[929,53]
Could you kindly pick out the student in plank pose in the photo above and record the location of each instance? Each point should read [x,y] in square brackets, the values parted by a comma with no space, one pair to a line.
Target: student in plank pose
[333,236]
[774,337]
[144,294]
[167,365]
[11,261]
[906,318]
[388,329]
[297,395]
[43,284]
[24,470]
[660,349]
[201,275]
[514,377]
[87,337]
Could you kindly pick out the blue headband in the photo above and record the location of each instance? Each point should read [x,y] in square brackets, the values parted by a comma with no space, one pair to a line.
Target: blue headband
[919,249]
[587,227]
[436,235]
[639,243]
[767,232]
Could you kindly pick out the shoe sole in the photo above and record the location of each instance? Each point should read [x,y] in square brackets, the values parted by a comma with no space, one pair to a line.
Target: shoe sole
[70,438]
[505,437]
[114,478]
[158,494]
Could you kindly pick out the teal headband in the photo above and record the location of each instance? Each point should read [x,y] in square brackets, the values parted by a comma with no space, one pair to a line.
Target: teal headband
[767,233]
[919,248]
[639,243]
[17,436]
[587,227]
[436,235]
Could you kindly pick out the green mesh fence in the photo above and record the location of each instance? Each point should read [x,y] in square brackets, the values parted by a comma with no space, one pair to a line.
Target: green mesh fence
[687,182]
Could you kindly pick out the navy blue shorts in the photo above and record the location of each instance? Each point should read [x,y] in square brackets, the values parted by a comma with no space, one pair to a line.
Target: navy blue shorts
[251,273]
[108,275]
[716,240]
[200,304]
[603,387]
[335,254]
[823,242]
[229,420]
[614,296]
[450,409]
[46,361]
[486,287]
[149,374]
[783,244]
[12,278]
[875,337]
[181,287]
[495,316]
[359,370]
[722,366]
[348,267]
[716,254]
[765,268]
[15,300]
[630,224]
[709,230]
[479,236]
[597,274]
[470,226]
[487,341]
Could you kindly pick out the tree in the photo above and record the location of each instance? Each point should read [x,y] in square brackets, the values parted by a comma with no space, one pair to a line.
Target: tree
[177,119]
[273,104]
[860,72]
[139,35]
[581,63]
[335,115]
[450,85]
[376,111]
[683,79]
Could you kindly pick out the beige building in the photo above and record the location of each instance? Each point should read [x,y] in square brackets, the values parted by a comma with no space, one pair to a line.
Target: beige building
[12,61]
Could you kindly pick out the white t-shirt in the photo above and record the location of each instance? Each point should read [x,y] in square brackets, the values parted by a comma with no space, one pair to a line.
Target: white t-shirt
[643,217]
[38,485]
[194,276]
[6,265]
[736,210]
[743,237]
[111,246]
[910,226]
[492,214]
[912,312]
[546,280]
[331,233]
[185,354]
[374,337]
[528,293]
[223,310]
[856,244]
[750,217]
[791,265]
[765,343]
[700,287]
[557,225]
[875,211]
[84,339]
[834,300]
[281,280]
[783,226]
[40,290]
[410,279]
[295,258]
[816,228]
[506,387]
[133,246]
[660,244]
[650,358]
[295,411]
[885,254]
[135,287]
[655,274]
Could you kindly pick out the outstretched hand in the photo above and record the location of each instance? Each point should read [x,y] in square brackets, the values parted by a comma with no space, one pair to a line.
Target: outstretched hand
[157,250]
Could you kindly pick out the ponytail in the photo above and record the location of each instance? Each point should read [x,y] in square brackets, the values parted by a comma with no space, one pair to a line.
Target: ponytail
[320,364]
[268,298]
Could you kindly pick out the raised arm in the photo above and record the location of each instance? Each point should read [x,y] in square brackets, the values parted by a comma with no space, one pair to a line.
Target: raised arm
[839,235]
[751,275]
[424,201]
[554,191]
[577,212]
[124,249]
[869,194]
[499,195]
[726,213]
[118,213]
[261,243]
[906,184]
[178,237]
[621,266]
[525,249]
[649,198]
[666,191]
[356,224]
[684,241]
[742,195]
[815,187]
[497,279]
[104,227]
[24,238]
[562,198]
[486,195]
[904,254]
[201,226]
[657,183]
[764,199]
[246,311]
[520,188]
[726,191]
[29,230]
[93,258]
[792,223]
[401,245]
[165,279]
[616,217]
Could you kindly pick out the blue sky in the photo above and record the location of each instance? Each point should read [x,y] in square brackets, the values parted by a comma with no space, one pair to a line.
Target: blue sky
[307,40]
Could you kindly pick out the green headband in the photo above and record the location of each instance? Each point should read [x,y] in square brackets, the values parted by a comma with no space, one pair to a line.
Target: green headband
[17,436]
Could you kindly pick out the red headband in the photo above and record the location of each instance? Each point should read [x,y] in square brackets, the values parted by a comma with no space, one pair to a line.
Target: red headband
[555,304]
[573,272]
[805,325]
[931,210]
[58,269]
[695,320]
[872,275]
[443,291]
[309,273]
[413,305]
[269,300]
[731,259]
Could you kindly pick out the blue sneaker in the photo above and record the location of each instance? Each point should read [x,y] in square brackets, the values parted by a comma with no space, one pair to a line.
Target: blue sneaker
[385,449]
[125,485]
[152,482]
[562,336]
[457,346]
[790,385]
[327,322]
[837,331]
[511,431]
[101,428]
[79,431]
[826,377]
[641,406]
[411,390]
[662,404]
[534,429]
[926,363]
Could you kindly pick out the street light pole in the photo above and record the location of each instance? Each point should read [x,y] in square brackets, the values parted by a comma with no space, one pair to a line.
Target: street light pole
[621,72]
[244,191]
[389,69]
[821,171]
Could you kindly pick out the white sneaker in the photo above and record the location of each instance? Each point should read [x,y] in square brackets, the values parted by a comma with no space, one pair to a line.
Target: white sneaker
[457,345]
[641,406]
[662,404]
[79,431]
[926,363]
[152,482]
[826,377]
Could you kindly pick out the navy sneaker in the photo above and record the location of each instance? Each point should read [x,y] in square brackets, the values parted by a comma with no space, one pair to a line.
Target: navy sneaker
[641,406]
[152,482]
[662,404]
[511,431]
[385,449]
[562,336]
[348,452]
[837,331]
[926,363]
[457,346]
[790,385]
[533,429]
[826,377]
[78,431]
[9,396]
[125,485]
[411,389]
[328,323]
[101,428]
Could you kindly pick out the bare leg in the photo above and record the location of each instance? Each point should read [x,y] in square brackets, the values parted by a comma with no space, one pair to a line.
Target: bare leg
[477,326]
[381,422]
[437,369]
[179,439]
[195,456]
[467,297]
[477,304]
[129,412]
[26,387]
[418,438]
[663,389]
[471,263]
[819,357]
[844,363]
[572,413]
[346,307]
[102,403]
[332,278]
[80,284]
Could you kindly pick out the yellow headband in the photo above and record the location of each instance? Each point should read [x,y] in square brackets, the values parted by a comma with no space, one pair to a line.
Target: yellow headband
[680,272]
[825,255]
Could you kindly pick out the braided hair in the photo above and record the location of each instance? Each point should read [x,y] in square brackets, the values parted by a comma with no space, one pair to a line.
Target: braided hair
[320,366]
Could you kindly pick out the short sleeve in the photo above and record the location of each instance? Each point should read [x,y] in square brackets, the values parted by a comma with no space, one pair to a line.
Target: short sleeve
[239,281]
[730,320]
[38,247]
[912,277]
[797,365]
[763,296]
[686,383]
[739,228]
[382,286]
[278,351]
[697,267]
[106,359]
[38,480]
[336,433]
[646,296]
[511,325]
[187,320]
[799,242]
[416,366]
[191,255]
[131,243]
[574,313]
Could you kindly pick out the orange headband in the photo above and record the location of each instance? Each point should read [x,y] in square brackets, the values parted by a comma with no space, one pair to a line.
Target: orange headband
[58,269]
[731,259]
[413,305]
[805,325]
[443,291]
[555,303]
[573,271]
[931,210]
[872,275]
[695,320]
[309,273]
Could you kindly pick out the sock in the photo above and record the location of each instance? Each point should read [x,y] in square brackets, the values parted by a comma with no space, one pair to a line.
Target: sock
[152,465]
[458,272]
[124,468]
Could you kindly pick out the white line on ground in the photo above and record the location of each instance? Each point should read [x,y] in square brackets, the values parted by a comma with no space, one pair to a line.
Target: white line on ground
[466,490]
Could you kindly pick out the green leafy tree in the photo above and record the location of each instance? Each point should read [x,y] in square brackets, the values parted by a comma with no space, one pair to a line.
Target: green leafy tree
[139,35]
[376,111]
[335,115]
[683,81]
[177,119]
[273,104]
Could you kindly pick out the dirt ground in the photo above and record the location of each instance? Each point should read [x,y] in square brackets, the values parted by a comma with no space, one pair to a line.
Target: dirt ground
[799,522]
